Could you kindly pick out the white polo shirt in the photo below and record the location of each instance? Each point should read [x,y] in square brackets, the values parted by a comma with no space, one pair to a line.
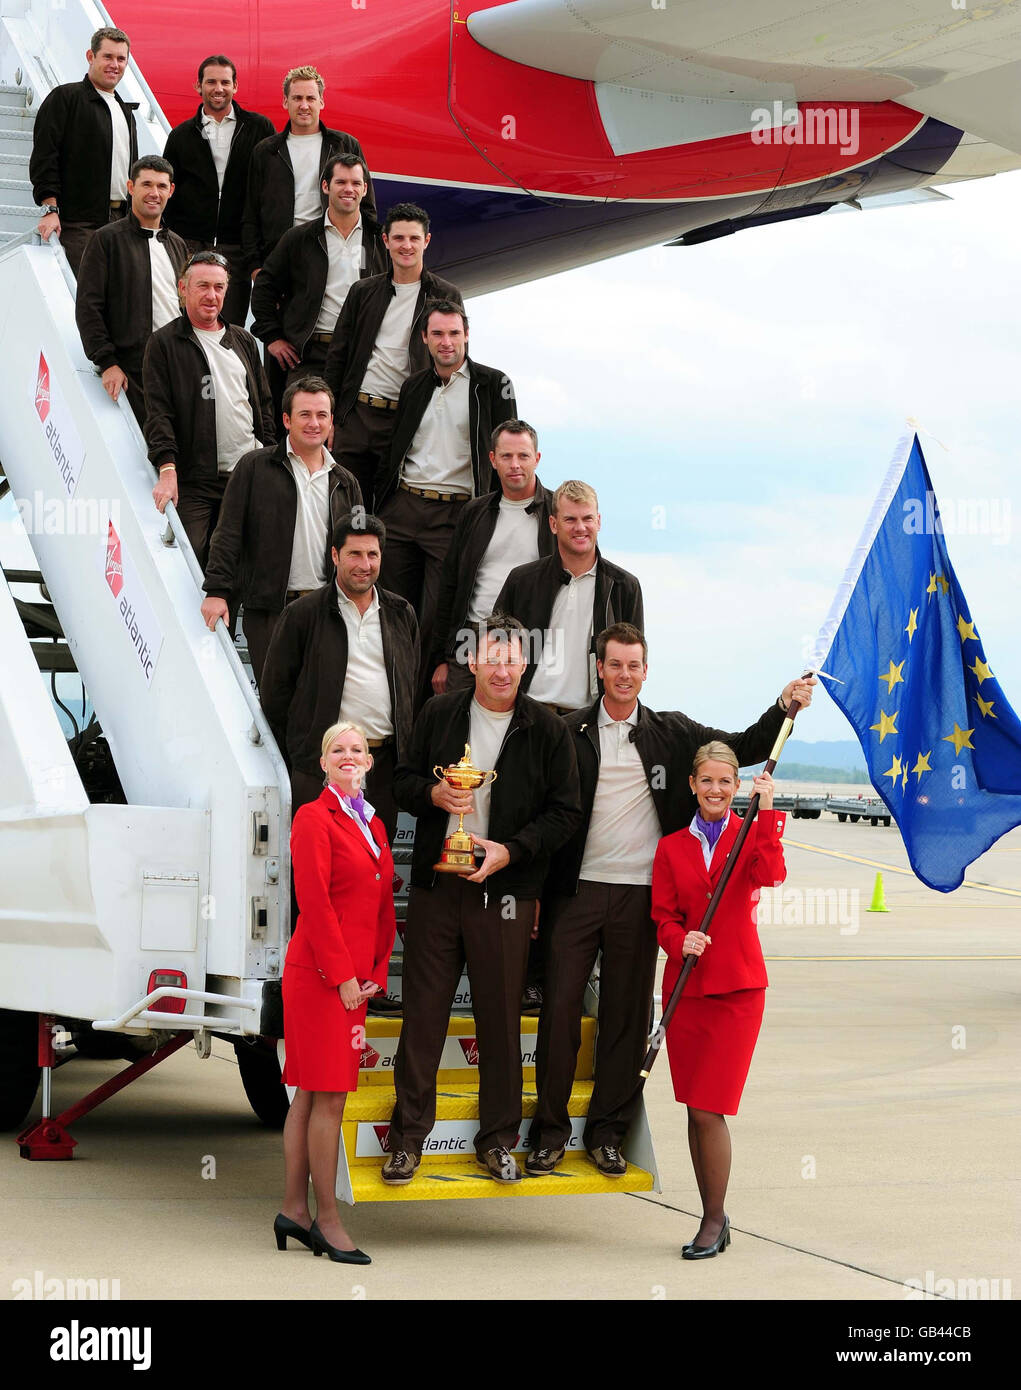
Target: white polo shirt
[120,157]
[311,523]
[562,676]
[515,541]
[219,135]
[624,829]
[487,730]
[345,266]
[440,454]
[365,699]
[166,303]
[388,366]
[306,152]
[235,434]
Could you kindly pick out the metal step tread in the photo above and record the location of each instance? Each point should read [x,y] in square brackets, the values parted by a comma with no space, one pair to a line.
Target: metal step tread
[452,1102]
[465,1178]
[17,210]
[7,90]
[21,185]
[21,112]
[26,135]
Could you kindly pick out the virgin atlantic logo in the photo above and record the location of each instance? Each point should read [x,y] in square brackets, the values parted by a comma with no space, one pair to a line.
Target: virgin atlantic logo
[114,563]
[42,389]
[370,1057]
[470,1048]
[382,1133]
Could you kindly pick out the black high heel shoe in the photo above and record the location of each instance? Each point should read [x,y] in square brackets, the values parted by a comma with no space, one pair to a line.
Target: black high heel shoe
[321,1246]
[706,1252]
[283,1227]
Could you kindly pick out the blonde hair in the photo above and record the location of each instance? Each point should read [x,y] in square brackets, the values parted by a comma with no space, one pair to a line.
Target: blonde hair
[575,491]
[335,731]
[307,73]
[714,752]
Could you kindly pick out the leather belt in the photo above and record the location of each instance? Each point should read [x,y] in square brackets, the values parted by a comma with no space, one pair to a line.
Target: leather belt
[560,709]
[292,594]
[322,338]
[380,742]
[431,495]
[377,402]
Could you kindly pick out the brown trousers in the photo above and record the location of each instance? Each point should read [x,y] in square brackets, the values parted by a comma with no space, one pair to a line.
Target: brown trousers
[448,926]
[418,536]
[362,443]
[75,236]
[614,919]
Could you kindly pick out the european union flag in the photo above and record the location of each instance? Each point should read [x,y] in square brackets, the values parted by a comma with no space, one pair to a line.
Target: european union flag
[943,745]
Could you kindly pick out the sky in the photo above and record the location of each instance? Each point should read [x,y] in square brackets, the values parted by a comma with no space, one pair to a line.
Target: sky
[736,405]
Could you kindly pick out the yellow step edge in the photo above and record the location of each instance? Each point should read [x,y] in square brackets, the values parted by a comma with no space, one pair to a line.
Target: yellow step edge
[459,1059]
[576,1176]
[366,1128]
[453,1102]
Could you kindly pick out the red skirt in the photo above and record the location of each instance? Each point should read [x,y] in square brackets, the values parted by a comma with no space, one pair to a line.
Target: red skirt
[323,1041]
[710,1043]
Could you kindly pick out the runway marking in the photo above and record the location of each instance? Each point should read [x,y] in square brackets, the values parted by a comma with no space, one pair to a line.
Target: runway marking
[959,959]
[896,869]
[784,1245]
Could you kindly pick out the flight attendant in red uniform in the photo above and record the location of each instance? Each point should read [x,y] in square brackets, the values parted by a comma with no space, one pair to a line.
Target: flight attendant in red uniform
[337,958]
[712,1034]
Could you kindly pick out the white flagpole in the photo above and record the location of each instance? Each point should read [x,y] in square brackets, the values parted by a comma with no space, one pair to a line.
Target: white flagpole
[876,517]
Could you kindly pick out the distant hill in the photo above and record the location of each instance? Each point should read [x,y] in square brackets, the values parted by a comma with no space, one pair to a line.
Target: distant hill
[823,761]
[805,772]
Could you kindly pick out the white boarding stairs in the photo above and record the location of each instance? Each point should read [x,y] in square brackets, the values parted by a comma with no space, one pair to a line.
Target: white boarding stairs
[192,874]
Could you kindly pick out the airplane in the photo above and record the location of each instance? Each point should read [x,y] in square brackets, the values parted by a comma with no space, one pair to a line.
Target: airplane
[547,134]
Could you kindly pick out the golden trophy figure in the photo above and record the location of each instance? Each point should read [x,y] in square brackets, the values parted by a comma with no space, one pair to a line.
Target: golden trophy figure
[458,855]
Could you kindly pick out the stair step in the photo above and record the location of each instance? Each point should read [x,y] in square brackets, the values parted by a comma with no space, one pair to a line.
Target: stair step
[13,210]
[366,1128]
[21,113]
[21,137]
[459,1059]
[372,1103]
[464,1178]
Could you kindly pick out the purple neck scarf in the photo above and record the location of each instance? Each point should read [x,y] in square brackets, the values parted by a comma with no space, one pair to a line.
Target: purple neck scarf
[711,829]
[357,804]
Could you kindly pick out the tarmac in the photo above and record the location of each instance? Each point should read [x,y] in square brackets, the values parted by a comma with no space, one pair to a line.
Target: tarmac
[875,1154]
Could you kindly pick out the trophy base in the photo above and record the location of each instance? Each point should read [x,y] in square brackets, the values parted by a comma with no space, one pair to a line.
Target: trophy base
[457,864]
[458,855]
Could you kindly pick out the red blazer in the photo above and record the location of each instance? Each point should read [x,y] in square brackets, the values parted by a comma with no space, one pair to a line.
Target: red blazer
[682,887]
[346,920]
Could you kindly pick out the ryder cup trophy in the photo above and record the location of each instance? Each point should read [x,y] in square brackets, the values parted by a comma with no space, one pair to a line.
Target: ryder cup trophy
[458,855]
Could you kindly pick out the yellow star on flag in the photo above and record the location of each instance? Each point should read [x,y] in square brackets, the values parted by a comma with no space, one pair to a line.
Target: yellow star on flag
[980,668]
[944,583]
[967,630]
[960,738]
[904,779]
[932,585]
[986,706]
[912,626]
[922,764]
[895,770]
[893,676]
[887,724]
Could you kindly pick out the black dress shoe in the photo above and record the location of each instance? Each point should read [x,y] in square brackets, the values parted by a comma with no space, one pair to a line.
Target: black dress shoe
[283,1227]
[531,1001]
[385,1006]
[706,1252]
[321,1246]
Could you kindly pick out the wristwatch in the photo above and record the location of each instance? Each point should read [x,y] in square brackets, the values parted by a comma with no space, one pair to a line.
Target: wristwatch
[46,209]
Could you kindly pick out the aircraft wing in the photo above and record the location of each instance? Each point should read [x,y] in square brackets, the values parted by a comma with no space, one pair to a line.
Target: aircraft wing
[675,71]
